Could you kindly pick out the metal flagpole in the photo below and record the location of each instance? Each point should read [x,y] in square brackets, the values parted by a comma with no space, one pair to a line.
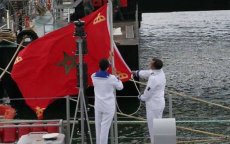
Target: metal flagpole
[113,64]
[81,89]
[68,119]
[80,33]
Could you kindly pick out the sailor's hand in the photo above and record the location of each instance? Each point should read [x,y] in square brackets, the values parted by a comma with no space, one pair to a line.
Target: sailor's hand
[114,71]
[134,73]
[117,76]
[139,96]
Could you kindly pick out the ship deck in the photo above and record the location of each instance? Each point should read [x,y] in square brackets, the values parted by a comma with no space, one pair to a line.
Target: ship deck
[129,33]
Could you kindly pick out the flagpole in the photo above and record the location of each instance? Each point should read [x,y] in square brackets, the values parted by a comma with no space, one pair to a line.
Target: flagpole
[113,63]
[82,80]
[81,91]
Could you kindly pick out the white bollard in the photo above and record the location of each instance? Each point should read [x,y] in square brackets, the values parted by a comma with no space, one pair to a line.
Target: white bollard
[164,131]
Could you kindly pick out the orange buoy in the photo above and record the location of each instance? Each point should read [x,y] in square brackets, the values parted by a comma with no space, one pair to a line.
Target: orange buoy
[7,111]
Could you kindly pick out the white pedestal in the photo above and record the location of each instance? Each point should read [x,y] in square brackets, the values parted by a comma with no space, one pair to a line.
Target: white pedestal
[164,131]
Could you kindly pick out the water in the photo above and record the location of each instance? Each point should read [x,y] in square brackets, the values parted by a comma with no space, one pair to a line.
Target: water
[195,48]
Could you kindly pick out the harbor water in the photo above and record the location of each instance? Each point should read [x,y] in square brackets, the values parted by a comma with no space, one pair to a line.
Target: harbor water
[195,49]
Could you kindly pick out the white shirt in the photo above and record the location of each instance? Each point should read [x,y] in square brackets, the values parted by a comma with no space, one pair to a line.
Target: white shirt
[154,91]
[104,88]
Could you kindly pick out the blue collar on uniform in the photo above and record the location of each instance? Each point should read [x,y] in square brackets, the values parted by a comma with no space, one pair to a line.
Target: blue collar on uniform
[102,74]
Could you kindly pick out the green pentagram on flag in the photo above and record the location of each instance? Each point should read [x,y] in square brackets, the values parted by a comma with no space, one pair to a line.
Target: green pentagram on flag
[68,62]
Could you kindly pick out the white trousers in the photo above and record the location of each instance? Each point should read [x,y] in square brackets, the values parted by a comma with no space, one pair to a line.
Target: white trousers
[103,122]
[152,114]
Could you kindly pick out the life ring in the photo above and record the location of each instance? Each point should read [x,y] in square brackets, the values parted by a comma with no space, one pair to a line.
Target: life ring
[7,111]
[28,34]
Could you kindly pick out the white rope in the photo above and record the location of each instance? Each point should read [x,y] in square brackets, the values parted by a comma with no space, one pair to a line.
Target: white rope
[13,42]
[6,71]
[135,83]
[138,82]
[139,102]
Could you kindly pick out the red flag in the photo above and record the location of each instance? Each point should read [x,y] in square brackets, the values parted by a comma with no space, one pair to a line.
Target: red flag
[98,43]
[124,3]
[46,68]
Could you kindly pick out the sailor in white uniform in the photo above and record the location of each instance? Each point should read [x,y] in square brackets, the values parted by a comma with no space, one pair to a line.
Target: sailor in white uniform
[153,95]
[104,86]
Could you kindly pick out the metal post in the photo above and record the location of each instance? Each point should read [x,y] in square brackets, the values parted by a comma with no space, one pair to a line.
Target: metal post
[12,25]
[170,106]
[55,15]
[87,119]
[80,33]
[113,64]
[67,119]
[68,15]
[8,19]
[29,8]
[75,116]
[81,91]
[44,29]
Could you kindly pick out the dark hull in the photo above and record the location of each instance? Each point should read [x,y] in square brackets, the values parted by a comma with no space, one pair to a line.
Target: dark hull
[147,6]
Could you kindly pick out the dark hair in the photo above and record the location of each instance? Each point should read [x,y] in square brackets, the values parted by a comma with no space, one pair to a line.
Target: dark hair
[157,63]
[103,64]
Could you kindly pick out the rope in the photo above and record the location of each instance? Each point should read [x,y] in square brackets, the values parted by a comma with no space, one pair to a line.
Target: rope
[13,42]
[208,140]
[16,52]
[204,121]
[197,99]
[138,118]
[138,106]
[6,71]
[137,82]
[200,131]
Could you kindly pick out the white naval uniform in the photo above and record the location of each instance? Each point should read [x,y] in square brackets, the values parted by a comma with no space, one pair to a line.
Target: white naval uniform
[153,95]
[104,104]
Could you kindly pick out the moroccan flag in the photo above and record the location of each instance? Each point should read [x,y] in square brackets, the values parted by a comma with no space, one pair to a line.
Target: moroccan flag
[123,3]
[46,68]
